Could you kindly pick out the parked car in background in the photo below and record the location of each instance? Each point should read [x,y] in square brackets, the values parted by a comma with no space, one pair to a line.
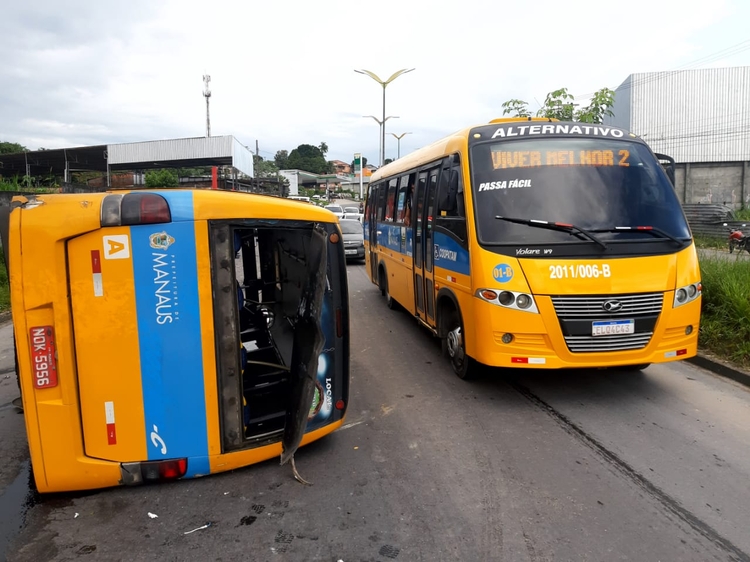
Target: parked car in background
[351,210]
[354,239]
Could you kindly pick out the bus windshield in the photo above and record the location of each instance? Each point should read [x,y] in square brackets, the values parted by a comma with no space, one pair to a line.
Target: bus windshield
[594,184]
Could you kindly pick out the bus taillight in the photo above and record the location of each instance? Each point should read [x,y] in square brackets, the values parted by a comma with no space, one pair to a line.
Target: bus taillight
[134,473]
[134,208]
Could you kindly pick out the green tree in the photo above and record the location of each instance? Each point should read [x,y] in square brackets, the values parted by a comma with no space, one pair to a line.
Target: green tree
[282,159]
[310,159]
[162,178]
[387,161]
[517,108]
[599,107]
[11,148]
[559,104]
[264,168]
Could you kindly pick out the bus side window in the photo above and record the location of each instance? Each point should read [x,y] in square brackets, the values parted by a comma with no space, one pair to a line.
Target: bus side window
[452,210]
[405,193]
[380,189]
[390,204]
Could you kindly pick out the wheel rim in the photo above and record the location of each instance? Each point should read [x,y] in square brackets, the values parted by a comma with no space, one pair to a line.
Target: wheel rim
[455,345]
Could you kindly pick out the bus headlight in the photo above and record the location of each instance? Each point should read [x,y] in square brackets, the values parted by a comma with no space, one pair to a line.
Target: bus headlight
[686,294]
[523,301]
[508,299]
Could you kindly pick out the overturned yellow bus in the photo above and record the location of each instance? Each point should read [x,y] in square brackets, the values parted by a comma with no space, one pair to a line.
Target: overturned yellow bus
[165,334]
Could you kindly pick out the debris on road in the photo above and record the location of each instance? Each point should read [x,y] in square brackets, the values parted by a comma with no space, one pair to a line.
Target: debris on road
[206,526]
[152,515]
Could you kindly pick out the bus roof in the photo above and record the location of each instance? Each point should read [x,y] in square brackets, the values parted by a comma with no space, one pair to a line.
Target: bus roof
[460,140]
[219,204]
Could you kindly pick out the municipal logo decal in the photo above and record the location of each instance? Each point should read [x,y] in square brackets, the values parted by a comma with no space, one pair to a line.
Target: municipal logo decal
[161,240]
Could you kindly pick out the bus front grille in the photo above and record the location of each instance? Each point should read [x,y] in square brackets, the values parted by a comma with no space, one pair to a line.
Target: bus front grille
[576,313]
[593,344]
[595,306]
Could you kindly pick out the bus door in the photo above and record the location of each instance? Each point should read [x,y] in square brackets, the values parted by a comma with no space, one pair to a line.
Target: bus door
[372,233]
[423,246]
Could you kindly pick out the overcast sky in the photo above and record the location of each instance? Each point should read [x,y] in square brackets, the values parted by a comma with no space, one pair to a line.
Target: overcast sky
[86,72]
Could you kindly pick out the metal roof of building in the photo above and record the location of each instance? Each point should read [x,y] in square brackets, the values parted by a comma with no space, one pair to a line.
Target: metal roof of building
[169,153]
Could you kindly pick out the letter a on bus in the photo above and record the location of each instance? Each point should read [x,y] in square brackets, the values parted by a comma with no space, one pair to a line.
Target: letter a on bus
[116,247]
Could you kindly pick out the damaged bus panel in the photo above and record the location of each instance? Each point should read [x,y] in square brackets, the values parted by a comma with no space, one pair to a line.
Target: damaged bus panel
[183,332]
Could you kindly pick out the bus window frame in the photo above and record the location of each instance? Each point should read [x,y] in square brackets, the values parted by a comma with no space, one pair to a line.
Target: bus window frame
[447,223]
[390,200]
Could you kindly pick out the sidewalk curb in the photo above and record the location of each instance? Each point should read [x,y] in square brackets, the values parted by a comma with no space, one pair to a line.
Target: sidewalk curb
[721,368]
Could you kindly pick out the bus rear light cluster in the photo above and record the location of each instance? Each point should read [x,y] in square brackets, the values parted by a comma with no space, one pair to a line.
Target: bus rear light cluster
[686,294]
[134,208]
[134,473]
[509,299]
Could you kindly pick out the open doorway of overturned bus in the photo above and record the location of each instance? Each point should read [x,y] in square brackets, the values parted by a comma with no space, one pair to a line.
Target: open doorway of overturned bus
[259,274]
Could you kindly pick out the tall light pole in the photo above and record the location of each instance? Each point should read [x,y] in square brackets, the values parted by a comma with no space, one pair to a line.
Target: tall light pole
[383,83]
[381,156]
[398,138]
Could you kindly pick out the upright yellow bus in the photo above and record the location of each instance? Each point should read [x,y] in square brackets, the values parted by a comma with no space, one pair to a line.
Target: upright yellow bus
[535,243]
[165,334]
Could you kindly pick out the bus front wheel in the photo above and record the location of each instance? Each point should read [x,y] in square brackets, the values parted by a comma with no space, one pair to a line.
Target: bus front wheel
[454,347]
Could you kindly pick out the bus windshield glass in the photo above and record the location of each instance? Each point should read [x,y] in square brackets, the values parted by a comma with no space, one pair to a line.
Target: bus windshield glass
[594,184]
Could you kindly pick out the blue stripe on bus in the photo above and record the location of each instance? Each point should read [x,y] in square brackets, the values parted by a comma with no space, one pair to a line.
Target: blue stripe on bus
[180,204]
[396,238]
[169,335]
[449,255]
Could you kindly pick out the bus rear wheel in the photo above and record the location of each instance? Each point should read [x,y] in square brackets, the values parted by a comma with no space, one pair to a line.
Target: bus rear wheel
[454,348]
[383,285]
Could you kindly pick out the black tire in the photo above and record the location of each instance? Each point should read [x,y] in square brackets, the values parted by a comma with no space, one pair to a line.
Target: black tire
[383,283]
[454,348]
[731,246]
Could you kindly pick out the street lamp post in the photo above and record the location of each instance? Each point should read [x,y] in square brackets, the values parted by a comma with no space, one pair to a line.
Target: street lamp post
[398,138]
[382,127]
[383,83]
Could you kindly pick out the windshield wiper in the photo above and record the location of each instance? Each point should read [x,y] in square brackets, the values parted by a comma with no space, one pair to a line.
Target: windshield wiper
[560,226]
[654,231]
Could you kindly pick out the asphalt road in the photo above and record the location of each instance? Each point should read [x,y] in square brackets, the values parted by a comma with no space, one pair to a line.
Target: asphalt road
[531,467]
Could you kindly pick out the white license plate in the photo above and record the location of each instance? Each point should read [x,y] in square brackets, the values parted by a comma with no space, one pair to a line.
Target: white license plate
[612,327]
[348,252]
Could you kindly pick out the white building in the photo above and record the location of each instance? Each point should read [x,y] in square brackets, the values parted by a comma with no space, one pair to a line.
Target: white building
[692,115]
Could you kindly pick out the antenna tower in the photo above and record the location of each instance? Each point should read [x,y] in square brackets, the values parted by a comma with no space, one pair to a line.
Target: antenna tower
[207,95]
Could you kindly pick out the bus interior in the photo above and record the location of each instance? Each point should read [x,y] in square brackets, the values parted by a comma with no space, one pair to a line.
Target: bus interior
[271,266]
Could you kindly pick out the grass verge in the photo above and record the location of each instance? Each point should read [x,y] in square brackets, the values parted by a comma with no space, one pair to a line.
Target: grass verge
[725,320]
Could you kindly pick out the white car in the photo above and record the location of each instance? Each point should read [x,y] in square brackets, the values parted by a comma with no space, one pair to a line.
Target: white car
[336,210]
[353,216]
